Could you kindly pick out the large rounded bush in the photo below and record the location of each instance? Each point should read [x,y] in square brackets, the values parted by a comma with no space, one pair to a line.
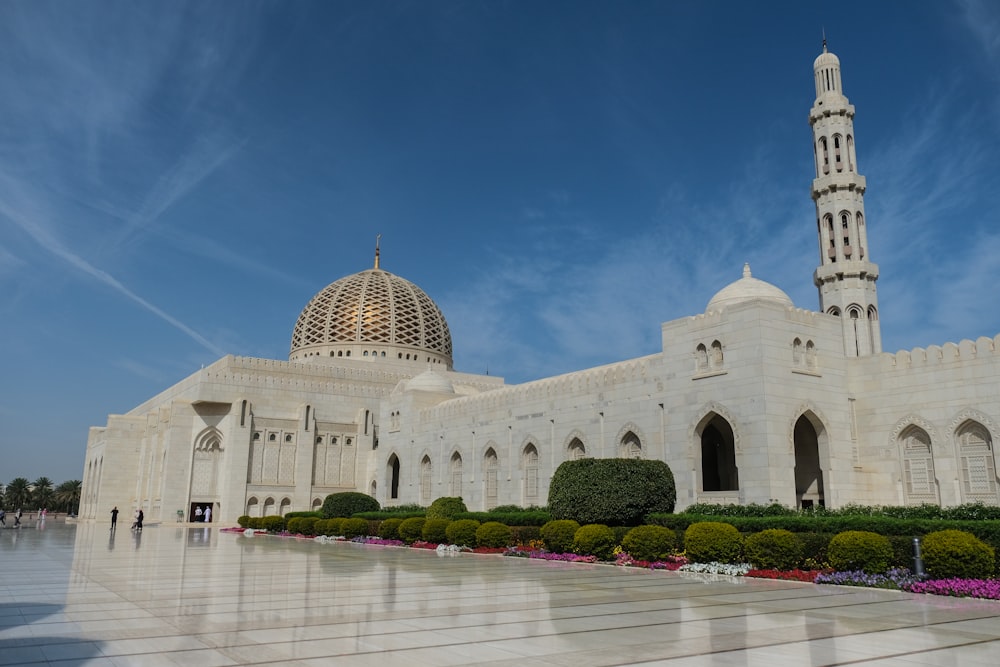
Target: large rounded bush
[649,543]
[615,492]
[352,528]
[412,529]
[596,540]
[389,529]
[435,530]
[307,525]
[558,535]
[244,521]
[462,532]
[294,525]
[347,504]
[952,554]
[446,508]
[712,542]
[859,550]
[493,534]
[774,549]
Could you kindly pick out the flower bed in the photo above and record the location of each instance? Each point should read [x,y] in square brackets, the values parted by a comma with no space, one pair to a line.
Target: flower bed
[807,576]
[894,579]
[962,588]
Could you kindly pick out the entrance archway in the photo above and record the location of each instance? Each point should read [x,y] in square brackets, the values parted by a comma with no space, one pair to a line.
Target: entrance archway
[808,474]
[718,457]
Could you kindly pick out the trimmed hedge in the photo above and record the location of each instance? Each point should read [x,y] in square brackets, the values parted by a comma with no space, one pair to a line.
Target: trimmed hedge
[774,549]
[493,534]
[713,541]
[347,504]
[956,554]
[558,535]
[435,530]
[446,508]
[594,540]
[649,543]
[616,492]
[351,528]
[244,521]
[859,550]
[312,514]
[389,529]
[412,529]
[462,532]
[518,518]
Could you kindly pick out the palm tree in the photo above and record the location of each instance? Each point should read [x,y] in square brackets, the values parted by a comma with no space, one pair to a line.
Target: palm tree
[18,493]
[67,496]
[41,495]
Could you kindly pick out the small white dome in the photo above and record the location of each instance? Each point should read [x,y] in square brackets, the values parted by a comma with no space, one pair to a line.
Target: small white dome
[747,288]
[431,381]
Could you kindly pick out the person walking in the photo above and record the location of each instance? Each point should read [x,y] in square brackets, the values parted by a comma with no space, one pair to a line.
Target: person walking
[138,521]
[114,517]
[17,518]
[3,518]
[197,514]
[208,514]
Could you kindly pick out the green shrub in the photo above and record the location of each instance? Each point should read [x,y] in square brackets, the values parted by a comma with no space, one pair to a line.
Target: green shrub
[493,534]
[525,535]
[859,550]
[352,528]
[520,518]
[308,525]
[462,532]
[389,529]
[411,530]
[615,492]
[292,515]
[649,543]
[712,541]
[256,522]
[347,504]
[558,535]
[752,509]
[273,524]
[594,539]
[774,549]
[435,530]
[446,508]
[244,521]
[956,554]
[293,525]
[334,527]
[508,508]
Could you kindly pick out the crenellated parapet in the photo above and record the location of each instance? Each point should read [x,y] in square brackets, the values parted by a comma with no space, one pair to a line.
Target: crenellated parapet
[982,348]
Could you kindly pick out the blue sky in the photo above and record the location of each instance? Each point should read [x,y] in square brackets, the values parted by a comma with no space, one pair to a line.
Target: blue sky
[177,180]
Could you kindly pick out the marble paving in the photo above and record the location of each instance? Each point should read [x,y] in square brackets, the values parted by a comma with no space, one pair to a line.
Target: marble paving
[190,595]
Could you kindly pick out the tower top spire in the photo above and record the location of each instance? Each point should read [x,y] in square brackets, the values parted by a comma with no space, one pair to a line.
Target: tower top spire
[378,239]
[824,39]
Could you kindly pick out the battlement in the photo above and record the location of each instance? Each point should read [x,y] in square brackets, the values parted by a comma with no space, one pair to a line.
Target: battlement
[982,348]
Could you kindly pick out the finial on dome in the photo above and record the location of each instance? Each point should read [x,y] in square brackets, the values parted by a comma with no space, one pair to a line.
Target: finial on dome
[746,270]
[824,39]
[378,238]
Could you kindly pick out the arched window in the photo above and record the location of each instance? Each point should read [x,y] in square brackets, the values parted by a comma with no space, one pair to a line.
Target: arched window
[530,459]
[269,507]
[796,352]
[701,357]
[850,153]
[286,506]
[576,450]
[455,470]
[826,155]
[718,456]
[392,472]
[836,153]
[426,477]
[630,447]
[253,506]
[810,354]
[918,466]
[834,311]
[716,354]
[491,470]
[272,437]
[975,449]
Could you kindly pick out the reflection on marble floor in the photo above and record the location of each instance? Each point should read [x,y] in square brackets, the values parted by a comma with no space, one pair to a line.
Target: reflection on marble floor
[185,595]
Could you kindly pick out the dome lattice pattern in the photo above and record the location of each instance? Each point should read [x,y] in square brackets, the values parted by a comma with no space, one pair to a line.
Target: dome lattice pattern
[373,306]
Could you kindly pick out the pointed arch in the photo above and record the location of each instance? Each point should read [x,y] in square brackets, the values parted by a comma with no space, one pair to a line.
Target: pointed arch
[491,475]
[426,479]
[809,436]
[629,441]
[573,445]
[529,463]
[917,462]
[205,464]
[392,476]
[973,435]
[717,440]
[696,427]
[455,475]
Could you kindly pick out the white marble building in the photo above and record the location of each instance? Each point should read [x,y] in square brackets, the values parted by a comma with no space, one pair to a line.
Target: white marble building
[754,400]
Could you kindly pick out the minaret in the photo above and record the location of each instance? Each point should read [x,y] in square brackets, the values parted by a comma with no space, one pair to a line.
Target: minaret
[845,276]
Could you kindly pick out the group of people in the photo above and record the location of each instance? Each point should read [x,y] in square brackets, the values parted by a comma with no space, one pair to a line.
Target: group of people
[203,515]
[17,518]
[136,522]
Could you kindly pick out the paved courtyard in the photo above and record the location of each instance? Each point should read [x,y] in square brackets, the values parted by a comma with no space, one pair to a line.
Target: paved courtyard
[185,595]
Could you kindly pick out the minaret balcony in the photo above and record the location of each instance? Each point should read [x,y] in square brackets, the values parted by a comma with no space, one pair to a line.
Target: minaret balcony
[841,180]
